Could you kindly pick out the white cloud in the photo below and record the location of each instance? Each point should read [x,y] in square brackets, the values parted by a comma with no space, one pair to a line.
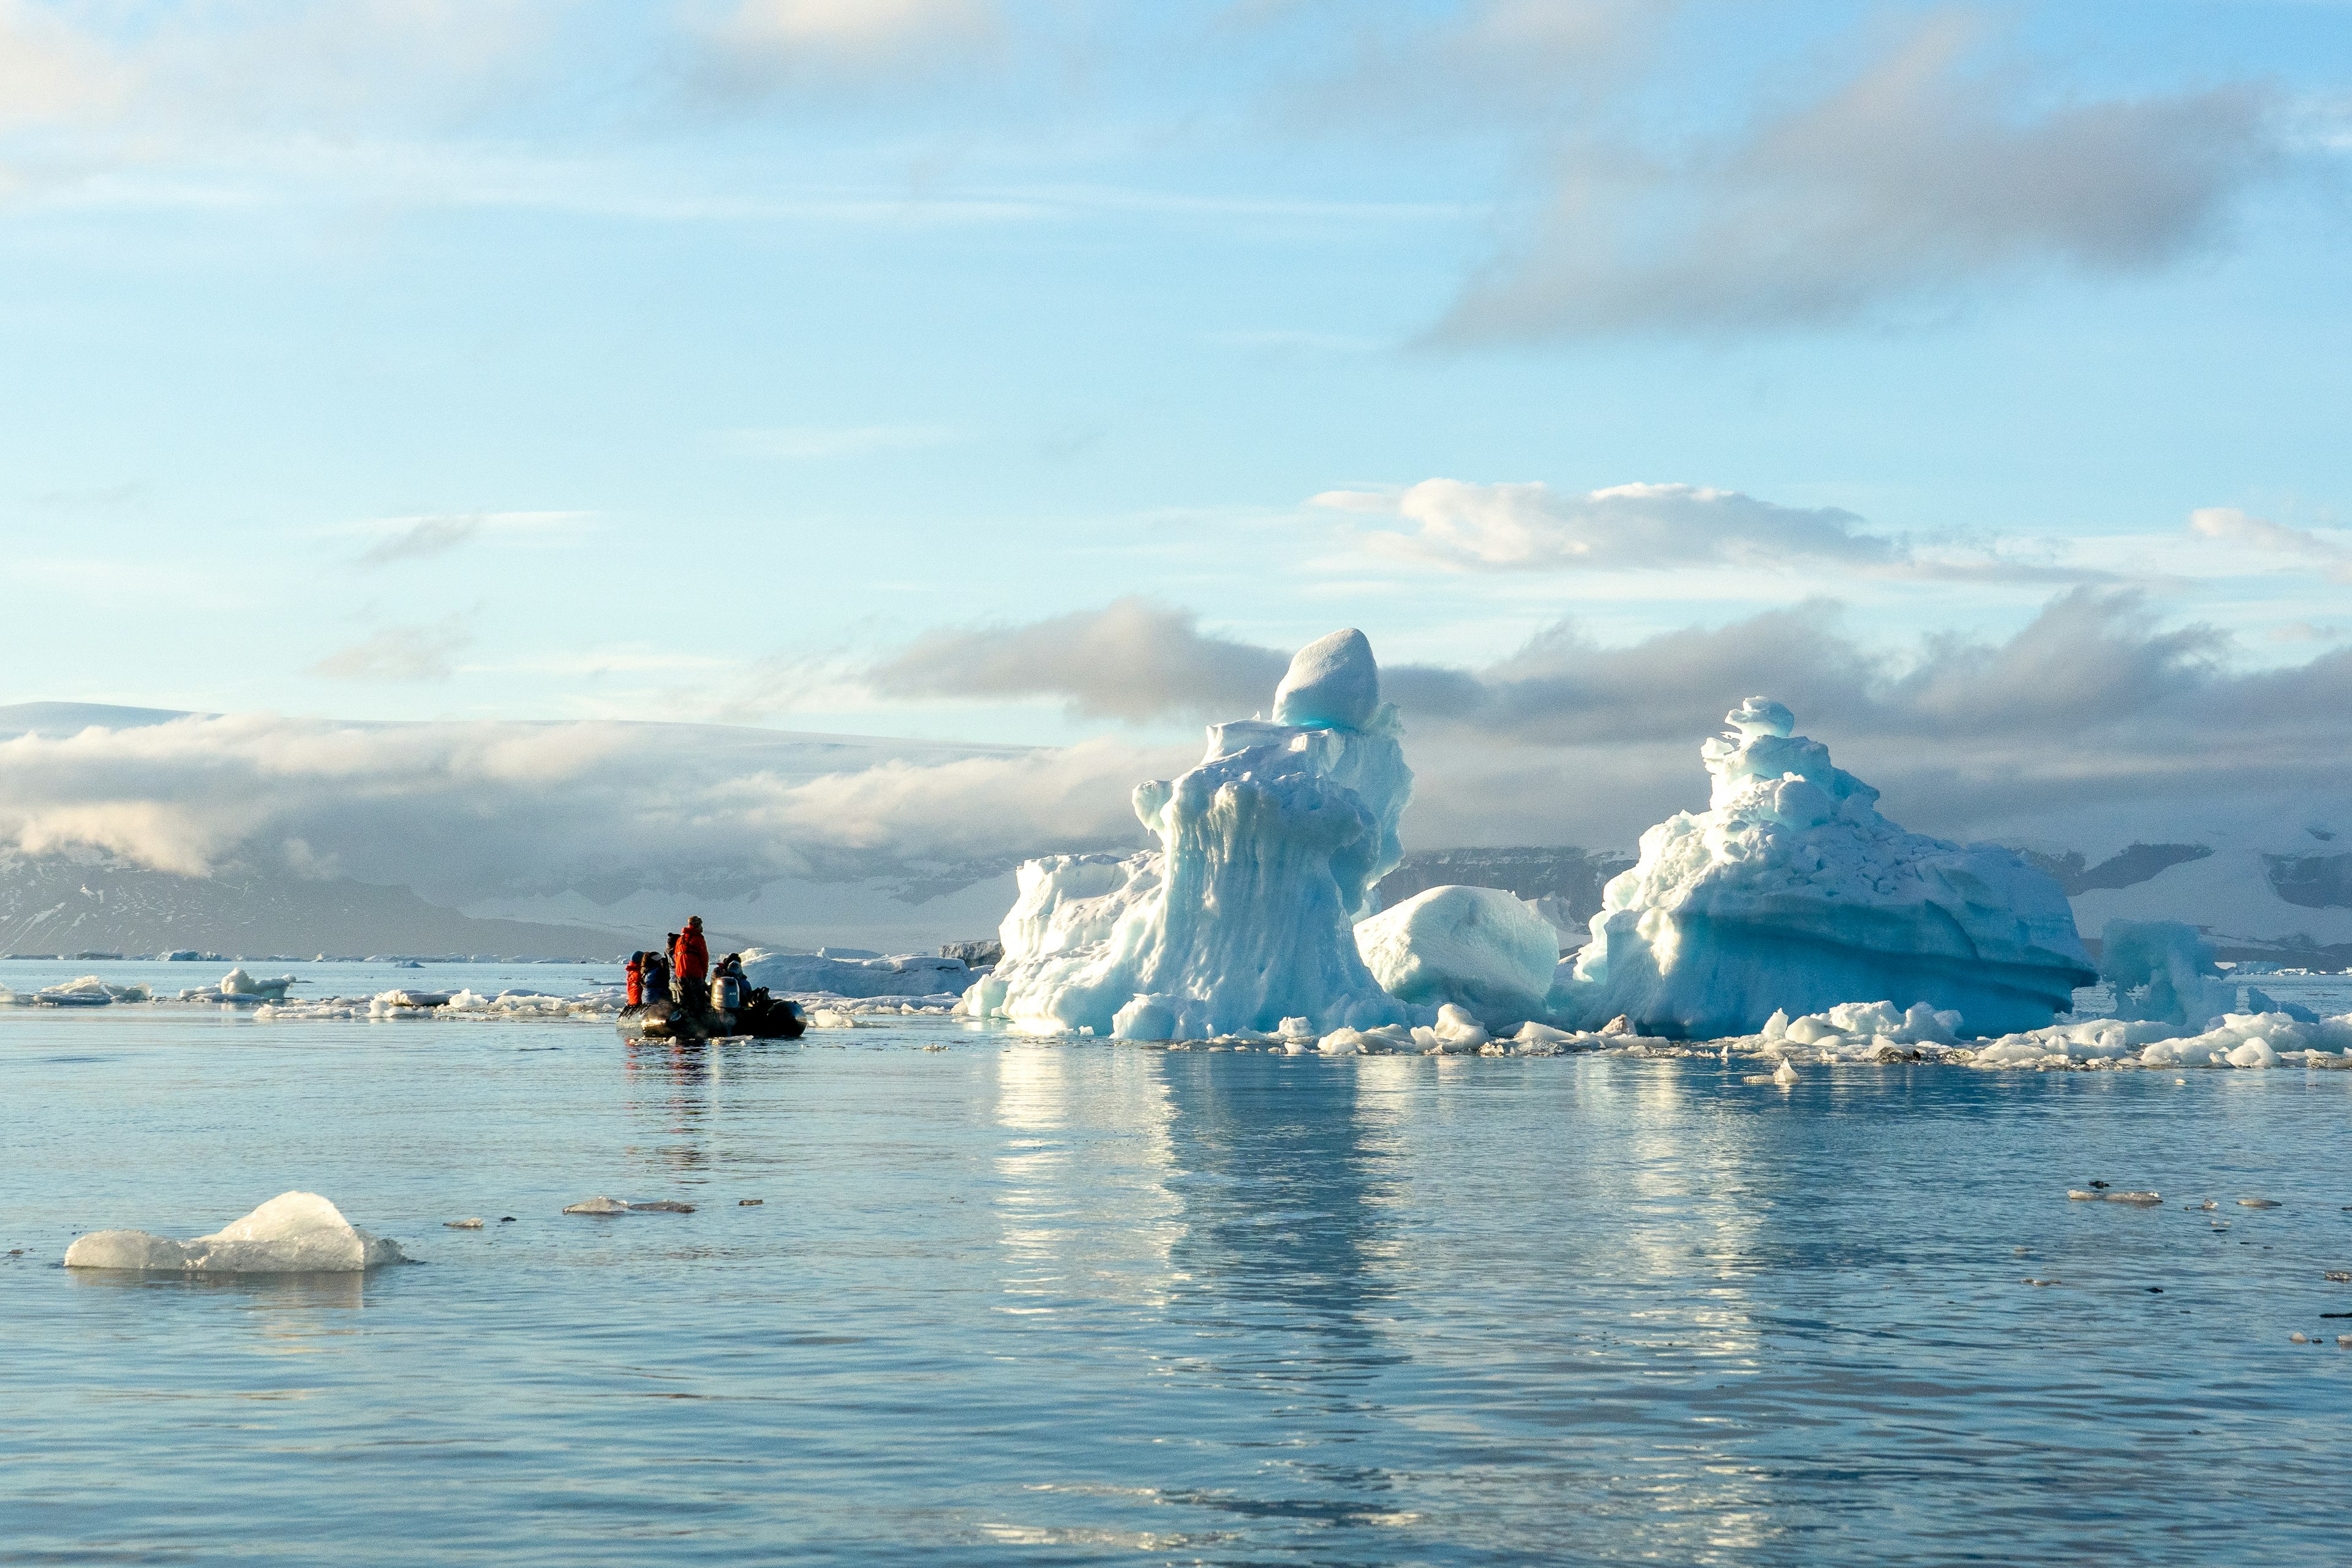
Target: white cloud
[1533,528]
[2230,525]
[400,654]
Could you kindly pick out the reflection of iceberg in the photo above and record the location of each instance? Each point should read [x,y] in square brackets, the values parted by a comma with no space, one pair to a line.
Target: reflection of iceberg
[1791,891]
[294,1233]
[1244,916]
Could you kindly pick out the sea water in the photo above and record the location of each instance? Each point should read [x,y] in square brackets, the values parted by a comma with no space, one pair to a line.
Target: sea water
[953,1295]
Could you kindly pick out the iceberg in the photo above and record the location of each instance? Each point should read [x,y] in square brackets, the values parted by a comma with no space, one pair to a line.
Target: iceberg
[1490,953]
[1245,916]
[827,972]
[1791,892]
[294,1233]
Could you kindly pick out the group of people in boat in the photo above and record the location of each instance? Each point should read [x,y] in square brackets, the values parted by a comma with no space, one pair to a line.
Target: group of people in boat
[676,991]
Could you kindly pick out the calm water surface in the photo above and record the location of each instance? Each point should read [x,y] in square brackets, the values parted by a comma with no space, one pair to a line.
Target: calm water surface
[1025,1303]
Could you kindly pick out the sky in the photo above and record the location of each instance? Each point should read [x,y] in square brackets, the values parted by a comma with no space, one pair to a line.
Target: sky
[1041,373]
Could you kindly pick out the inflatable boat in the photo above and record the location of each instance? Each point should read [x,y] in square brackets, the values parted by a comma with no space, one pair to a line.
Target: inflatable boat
[759,1017]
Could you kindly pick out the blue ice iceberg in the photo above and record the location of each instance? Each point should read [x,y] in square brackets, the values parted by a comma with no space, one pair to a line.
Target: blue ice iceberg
[1791,892]
[1243,917]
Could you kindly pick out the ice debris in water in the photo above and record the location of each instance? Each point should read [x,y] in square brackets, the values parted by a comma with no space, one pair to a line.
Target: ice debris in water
[1482,949]
[1792,891]
[602,1204]
[294,1233]
[1269,851]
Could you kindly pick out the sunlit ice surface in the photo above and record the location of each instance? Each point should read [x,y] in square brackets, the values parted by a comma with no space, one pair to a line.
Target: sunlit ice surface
[1018,1301]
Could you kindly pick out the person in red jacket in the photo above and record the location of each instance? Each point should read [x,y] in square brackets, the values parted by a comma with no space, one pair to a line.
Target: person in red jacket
[693,958]
[635,975]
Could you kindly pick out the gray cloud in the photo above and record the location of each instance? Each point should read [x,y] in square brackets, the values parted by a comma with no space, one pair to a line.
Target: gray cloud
[2093,704]
[1132,661]
[752,48]
[422,537]
[1921,174]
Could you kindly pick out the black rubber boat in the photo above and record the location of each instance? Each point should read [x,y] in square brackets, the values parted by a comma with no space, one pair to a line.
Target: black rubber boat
[761,1017]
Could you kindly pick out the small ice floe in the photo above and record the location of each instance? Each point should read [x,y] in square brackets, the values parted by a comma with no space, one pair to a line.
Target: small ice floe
[2208,1204]
[462,1223]
[294,1233]
[604,1205]
[749,1203]
[1785,1074]
[2081,1196]
[89,991]
[2341,1276]
[2142,1199]
[2044,1282]
[2258,1202]
[2298,1338]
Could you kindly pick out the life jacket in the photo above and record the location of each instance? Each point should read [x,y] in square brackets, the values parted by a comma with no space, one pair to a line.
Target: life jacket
[693,956]
[637,977]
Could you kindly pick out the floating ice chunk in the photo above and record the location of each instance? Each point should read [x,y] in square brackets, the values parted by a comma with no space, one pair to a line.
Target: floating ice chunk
[236,983]
[294,1233]
[2255,1053]
[1793,890]
[1533,1037]
[461,1224]
[1339,1043]
[1269,851]
[598,1204]
[1457,1030]
[1785,1074]
[1481,948]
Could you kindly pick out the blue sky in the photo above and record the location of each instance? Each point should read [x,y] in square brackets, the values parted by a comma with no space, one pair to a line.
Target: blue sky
[523,359]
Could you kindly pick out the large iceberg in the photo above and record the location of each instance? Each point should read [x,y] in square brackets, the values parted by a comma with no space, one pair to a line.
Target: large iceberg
[1791,892]
[294,1233]
[1269,852]
[1486,951]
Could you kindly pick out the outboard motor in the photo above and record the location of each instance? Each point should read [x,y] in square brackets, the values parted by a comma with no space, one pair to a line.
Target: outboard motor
[726,992]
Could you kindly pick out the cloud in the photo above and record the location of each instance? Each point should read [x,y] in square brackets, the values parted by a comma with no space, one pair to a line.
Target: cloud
[2232,526]
[1532,528]
[1133,660]
[2093,707]
[399,654]
[1922,173]
[422,537]
[1472,527]
[471,811]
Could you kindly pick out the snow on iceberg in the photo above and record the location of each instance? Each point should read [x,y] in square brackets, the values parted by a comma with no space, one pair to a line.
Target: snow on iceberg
[1245,916]
[1481,949]
[1791,891]
[294,1233]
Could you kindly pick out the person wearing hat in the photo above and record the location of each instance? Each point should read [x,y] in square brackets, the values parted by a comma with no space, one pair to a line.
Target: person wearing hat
[693,960]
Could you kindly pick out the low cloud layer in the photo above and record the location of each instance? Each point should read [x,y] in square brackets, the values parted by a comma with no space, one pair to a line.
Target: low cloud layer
[2095,718]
